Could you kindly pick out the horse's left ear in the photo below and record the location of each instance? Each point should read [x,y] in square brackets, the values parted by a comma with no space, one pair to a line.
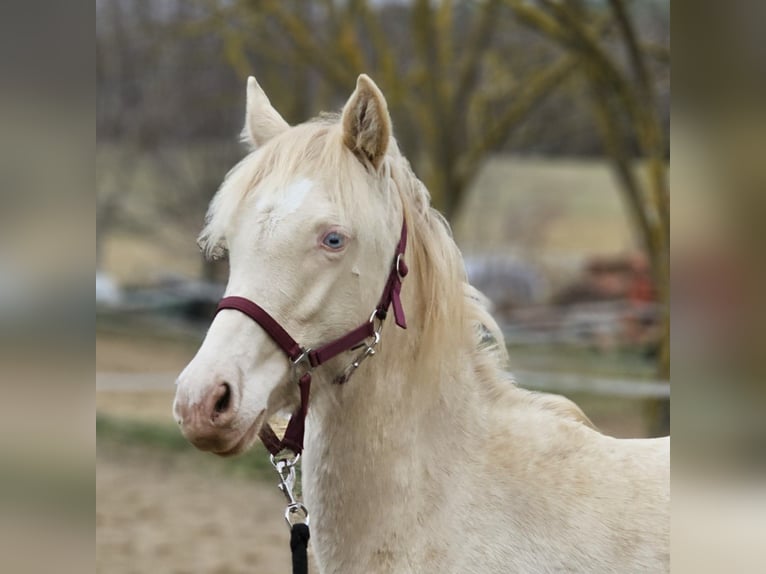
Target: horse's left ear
[366,123]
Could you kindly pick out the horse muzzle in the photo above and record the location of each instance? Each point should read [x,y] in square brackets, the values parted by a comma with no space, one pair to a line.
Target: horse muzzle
[210,423]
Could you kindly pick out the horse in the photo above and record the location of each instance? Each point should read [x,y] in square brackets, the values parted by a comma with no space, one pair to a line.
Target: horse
[428,458]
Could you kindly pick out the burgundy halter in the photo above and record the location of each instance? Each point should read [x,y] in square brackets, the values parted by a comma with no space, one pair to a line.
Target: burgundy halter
[304,360]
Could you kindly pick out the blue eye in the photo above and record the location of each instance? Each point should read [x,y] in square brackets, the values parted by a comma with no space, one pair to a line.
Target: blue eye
[334,240]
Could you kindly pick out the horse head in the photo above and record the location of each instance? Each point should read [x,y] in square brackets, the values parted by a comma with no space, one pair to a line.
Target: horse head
[308,220]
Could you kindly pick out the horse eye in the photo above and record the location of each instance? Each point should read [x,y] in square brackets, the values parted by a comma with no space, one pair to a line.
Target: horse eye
[334,240]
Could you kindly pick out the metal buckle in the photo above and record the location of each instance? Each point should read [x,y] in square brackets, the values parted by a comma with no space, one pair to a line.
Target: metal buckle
[303,359]
[285,466]
[292,510]
[368,351]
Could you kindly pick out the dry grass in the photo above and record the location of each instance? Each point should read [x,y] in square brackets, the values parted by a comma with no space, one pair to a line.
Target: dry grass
[146,406]
[548,208]
[143,259]
[141,352]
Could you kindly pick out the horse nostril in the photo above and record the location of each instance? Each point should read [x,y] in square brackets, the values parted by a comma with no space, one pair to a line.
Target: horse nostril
[224,400]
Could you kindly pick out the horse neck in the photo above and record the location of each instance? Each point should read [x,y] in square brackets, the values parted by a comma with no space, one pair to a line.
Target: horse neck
[388,389]
[383,434]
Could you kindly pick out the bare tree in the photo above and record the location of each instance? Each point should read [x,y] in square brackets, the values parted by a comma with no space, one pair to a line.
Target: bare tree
[431,61]
[151,125]
[625,108]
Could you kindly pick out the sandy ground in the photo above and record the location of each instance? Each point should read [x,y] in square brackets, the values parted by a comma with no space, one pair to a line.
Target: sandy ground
[158,515]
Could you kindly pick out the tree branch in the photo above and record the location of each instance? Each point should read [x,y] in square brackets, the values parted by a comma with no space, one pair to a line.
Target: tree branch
[653,143]
[307,46]
[631,43]
[436,120]
[536,88]
[478,42]
[605,71]
[394,82]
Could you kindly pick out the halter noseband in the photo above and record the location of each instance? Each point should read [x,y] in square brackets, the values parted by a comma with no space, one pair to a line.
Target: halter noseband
[304,360]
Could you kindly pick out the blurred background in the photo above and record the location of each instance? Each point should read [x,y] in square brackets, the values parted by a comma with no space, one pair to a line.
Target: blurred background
[541,129]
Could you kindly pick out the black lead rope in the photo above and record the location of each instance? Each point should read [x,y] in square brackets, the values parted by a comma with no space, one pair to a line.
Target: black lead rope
[299,541]
[299,530]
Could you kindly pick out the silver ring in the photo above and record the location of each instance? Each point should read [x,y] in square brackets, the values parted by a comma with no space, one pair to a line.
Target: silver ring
[304,359]
[379,327]
[289,461]
[396,265]
[293,509]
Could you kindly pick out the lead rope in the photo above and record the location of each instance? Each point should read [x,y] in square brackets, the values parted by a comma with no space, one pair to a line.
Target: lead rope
[296,514]
[299,541]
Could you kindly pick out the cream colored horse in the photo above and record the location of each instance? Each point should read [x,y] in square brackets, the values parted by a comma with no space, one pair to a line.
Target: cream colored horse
[428,459]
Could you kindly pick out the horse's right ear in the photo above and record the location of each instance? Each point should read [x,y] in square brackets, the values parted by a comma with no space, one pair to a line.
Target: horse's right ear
[262,121]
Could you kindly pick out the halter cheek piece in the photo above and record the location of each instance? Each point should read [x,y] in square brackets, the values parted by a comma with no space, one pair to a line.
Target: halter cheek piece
[304,360]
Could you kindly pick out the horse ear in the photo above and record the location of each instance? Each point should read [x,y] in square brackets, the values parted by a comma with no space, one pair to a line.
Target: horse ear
[366,123]
[262,121]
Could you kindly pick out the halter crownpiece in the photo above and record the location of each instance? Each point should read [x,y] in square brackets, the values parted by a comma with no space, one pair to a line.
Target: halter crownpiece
[304,360]
[392,291]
